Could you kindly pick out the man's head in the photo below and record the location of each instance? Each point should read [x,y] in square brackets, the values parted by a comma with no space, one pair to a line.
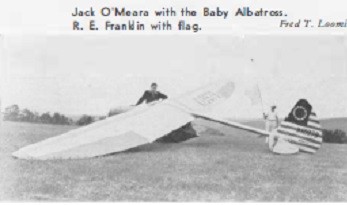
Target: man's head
[154,87]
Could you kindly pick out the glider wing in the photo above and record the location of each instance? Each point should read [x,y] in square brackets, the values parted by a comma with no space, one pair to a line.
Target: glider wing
[141,125]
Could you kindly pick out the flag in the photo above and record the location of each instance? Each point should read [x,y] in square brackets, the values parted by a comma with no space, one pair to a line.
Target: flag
[253,93]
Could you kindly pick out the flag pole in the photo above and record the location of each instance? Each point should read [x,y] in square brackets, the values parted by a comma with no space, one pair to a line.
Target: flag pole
[261,98]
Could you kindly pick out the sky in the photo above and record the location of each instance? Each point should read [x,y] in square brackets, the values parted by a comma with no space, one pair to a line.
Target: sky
[89,74]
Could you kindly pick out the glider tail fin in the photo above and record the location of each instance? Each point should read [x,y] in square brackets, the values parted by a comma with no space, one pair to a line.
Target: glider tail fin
[302,128]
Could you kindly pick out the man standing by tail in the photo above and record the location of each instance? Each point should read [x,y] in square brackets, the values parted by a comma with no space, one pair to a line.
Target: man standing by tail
[271,121]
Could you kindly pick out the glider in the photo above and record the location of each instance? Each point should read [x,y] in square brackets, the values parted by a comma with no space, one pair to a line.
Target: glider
[145,124]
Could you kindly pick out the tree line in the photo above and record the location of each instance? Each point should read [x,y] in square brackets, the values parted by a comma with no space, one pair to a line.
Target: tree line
[14,113]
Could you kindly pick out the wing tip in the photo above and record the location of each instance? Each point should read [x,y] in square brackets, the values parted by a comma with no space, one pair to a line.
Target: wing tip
[19,155]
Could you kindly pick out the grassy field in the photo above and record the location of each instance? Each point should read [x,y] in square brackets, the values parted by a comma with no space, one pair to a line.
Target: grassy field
[223,165]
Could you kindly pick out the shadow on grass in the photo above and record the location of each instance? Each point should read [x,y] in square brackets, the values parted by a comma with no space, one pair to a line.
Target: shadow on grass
[161,147]
[155,147]
[168,142]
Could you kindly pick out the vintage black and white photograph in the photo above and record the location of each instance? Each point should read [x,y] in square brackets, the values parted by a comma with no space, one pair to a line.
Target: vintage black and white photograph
[173,118]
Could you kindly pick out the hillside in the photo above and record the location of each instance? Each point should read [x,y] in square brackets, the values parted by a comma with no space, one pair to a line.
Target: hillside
[335,123]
